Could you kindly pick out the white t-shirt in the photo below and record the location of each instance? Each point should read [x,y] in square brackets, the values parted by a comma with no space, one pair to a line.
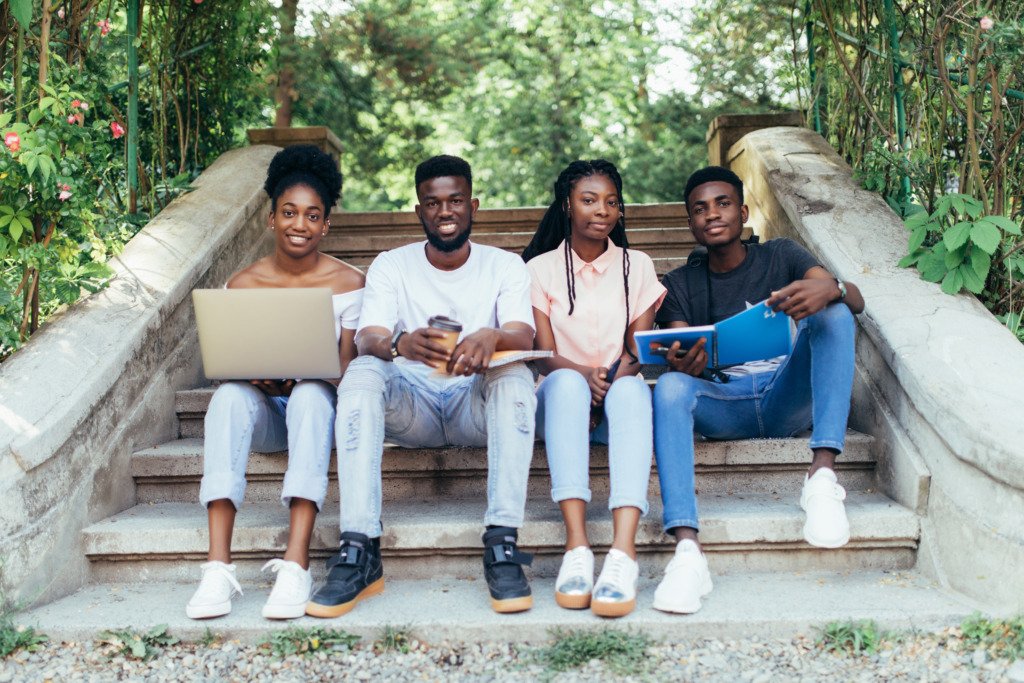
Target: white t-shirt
[403,290]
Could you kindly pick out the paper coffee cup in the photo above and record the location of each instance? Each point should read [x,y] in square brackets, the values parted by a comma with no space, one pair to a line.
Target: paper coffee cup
[449,327]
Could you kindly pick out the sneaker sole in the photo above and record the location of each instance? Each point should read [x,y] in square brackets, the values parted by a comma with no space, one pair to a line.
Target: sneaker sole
[612,609]
[315,609]
[284,611]
[208,611]
[818,543]
[572,601]
[689,608]
[512,605]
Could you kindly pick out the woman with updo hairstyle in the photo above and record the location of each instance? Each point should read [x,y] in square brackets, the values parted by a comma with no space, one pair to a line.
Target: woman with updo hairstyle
[590,294]
[267,416]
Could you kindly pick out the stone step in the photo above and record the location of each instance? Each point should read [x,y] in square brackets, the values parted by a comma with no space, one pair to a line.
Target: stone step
[427,538]
[171,472]
[501,220]
[775,605]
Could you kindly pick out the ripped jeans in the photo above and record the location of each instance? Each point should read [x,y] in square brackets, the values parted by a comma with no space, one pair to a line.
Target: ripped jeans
[379,400]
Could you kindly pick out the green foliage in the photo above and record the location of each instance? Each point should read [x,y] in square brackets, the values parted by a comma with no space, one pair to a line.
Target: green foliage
[849,637]
[305,641]
[134,645]
[393,639]
[1001,638]
[622,651]
[14,637]
[955,243]
[209,637]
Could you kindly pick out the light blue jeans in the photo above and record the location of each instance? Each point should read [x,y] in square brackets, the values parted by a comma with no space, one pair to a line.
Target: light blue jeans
[812,386]
[241,418]
[378,399]
[563,416]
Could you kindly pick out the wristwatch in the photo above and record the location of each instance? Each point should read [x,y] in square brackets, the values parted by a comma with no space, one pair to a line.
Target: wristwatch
[842,289]
[394,343]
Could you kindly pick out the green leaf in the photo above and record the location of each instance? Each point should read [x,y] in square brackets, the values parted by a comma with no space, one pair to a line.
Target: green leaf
[22,11]
[32,164]
[45,164]
[910,259]
[956,236]
[919,218]
[981,262]
[34,116]
[5,219]
[954,258]
[5,118]
[1003,223]
[47,102]
[942,206]
[917,238]
[932,267]
[953,282]
[986,236]
[973,207]
[15,229]
[971,281]
[138,648]
[959,204]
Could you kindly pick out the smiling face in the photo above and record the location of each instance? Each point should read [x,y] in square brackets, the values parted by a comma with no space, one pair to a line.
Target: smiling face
[298,221]
[446,211]
[594,208]
[716,215]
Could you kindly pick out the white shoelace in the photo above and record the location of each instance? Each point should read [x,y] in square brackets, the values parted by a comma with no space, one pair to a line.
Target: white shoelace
[217,569]
[289,582]
[576,564]
[615,570]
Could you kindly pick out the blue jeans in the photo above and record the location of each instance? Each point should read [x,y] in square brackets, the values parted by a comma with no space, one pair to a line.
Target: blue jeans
[378,399]
[563,416]
[241,417]
[812,386]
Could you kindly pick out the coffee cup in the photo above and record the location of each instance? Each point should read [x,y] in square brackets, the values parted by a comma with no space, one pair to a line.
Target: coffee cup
[451,329]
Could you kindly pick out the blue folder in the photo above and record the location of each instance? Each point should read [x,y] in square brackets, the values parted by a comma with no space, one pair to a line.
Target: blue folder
[757,333]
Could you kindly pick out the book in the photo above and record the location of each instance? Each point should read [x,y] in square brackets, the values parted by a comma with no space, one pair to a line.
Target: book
[758,333]
[499,358]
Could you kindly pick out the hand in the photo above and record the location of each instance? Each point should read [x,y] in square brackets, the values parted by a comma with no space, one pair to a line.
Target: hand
[693,362]
[803,298]
[597,379]
[473,354]
[424,345]
[274,387]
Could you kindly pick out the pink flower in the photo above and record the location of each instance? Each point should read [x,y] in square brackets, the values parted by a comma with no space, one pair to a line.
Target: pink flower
[72,119]
[987,23]
[116,129]
[75,104]
[84,106]
[104,25]
[65,194]
[60,13]
[13,141]
[197,1]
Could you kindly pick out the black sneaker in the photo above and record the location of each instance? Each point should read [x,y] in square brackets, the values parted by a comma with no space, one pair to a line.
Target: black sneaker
[356,572]
[510,591]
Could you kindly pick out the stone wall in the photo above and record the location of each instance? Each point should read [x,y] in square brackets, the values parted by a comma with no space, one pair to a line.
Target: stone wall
[939,380]
[98,381]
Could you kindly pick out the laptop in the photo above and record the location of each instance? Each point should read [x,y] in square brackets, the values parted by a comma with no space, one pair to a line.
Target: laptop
[282,333]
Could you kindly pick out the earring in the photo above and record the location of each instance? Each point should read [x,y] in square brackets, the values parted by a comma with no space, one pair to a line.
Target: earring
[271,225]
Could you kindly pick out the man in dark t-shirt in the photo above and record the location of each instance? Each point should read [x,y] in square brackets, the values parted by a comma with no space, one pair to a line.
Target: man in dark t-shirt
[772,398]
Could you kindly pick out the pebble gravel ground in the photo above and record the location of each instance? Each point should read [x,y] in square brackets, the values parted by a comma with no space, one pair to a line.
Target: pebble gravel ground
[919,658]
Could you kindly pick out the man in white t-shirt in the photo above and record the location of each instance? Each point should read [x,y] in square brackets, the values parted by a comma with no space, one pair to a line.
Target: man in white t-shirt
[397,388]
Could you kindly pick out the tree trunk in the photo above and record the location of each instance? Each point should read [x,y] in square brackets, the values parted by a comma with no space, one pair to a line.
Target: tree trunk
[44,47]
[286,64]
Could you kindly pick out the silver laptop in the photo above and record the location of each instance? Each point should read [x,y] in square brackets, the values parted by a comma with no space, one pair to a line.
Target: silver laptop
[263,333]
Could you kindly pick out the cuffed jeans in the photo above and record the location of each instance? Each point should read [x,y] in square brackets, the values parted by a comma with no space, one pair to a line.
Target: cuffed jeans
[563,416]
[378,400]
[812,386]
[241,418]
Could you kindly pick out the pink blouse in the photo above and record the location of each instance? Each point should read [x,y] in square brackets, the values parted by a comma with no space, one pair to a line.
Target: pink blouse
[594,334]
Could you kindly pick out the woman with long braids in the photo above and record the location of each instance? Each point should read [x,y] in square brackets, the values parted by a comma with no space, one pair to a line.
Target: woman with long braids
[590,295]
[269,415]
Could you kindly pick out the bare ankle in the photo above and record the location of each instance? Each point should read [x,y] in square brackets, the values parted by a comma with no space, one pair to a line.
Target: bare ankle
[685,533]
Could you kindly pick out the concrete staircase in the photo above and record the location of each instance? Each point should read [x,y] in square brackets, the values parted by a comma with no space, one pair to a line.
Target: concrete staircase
[768,581]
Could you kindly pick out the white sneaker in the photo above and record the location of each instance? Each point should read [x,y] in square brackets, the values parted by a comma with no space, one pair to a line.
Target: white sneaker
[686,581]
[217,587]
[822,500]
[575,579]
[615,592]
[291,590]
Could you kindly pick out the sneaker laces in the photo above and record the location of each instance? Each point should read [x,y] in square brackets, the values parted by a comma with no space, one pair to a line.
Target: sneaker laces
[290,581]
[685,559]
[213,570]
[575,562]
[614,571]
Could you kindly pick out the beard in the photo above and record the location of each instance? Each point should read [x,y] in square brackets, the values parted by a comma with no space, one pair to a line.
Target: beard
[451,244]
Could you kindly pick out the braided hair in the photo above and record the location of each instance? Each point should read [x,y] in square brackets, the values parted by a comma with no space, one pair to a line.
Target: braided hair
[556,225]
[304,165]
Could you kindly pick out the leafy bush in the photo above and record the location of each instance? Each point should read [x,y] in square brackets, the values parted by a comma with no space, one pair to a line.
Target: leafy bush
[622,651]
[1000,638]
[849,637]
[134,645]
[14,638]
[306,641]
[393,639]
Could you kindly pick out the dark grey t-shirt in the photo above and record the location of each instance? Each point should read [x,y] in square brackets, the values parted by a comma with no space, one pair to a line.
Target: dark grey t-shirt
[767,267]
